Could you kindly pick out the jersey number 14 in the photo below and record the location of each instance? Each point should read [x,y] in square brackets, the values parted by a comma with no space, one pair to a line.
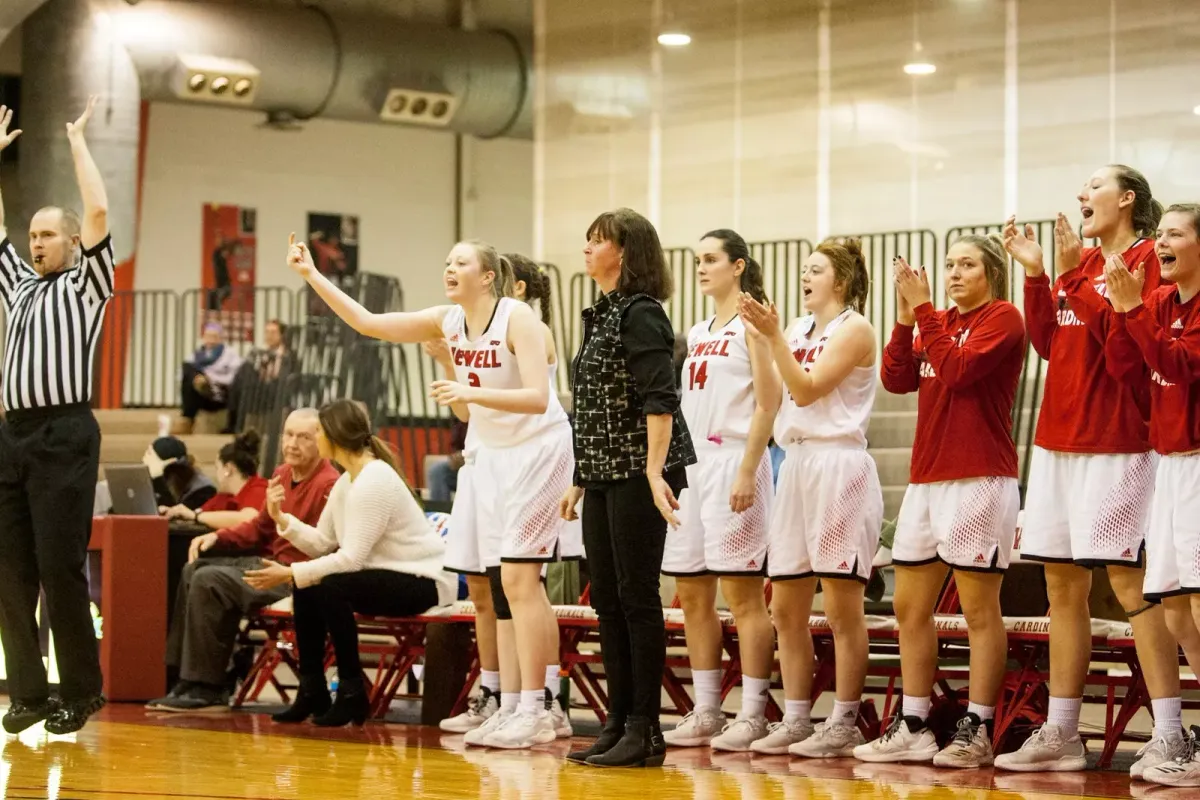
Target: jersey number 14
[697,374]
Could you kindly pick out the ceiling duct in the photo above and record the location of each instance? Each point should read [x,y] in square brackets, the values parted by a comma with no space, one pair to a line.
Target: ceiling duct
[299,62]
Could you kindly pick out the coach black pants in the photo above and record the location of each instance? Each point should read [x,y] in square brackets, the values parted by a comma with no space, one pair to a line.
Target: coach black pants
[624,536]
[49,459]
[329,608]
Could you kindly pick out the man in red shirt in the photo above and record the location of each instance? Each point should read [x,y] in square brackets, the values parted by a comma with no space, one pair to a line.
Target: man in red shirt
[213,597]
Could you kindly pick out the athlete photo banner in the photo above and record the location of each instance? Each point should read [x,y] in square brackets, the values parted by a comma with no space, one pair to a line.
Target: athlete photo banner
[228,251]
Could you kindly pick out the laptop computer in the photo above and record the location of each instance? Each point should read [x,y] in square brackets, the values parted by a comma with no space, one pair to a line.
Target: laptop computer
[131,491]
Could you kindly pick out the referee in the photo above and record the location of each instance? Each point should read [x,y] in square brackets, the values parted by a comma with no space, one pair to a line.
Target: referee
[50,445]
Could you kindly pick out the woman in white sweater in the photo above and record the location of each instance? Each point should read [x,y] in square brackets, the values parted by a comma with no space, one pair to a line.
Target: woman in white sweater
[373,552]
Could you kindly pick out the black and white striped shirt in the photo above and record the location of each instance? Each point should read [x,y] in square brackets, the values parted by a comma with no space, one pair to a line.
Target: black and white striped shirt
[53,326]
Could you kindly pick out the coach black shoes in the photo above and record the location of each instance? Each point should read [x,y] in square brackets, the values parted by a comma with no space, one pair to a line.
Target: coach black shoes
[641,746]
[71,715]
[22,714]
[614,729]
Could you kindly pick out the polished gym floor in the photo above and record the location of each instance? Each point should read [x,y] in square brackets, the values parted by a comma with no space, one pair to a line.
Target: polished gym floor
[126,753]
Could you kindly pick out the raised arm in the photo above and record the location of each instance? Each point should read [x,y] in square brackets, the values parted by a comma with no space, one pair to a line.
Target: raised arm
[405,327]
[991,340]
[1041,315]
[529,346]
[93,226]
[7,137]
[13,270]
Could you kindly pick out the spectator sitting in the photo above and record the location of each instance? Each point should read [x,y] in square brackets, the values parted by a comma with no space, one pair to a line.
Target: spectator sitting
[442,478]
[255,386]
[174,476]
[241,494]
[373,551]
[206,377]
[213,597]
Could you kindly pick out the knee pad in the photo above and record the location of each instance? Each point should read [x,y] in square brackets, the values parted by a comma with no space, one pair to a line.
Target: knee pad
[499,599]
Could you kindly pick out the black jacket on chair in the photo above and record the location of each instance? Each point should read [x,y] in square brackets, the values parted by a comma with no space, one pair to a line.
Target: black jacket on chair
[624,371]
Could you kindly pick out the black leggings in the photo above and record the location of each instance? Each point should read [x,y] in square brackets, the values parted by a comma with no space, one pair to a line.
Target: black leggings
[624,536]
[329,608]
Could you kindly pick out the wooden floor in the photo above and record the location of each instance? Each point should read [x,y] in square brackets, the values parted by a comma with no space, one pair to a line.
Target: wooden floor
[126,753]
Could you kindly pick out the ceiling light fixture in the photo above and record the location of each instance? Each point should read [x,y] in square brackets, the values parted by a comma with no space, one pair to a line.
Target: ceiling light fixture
[1196,111]
[919,68]
[674,39]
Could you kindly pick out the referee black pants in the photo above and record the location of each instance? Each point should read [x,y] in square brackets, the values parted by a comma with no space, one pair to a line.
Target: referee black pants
[49,459]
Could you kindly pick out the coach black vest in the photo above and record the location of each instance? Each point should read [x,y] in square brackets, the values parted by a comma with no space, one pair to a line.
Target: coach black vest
[610,426]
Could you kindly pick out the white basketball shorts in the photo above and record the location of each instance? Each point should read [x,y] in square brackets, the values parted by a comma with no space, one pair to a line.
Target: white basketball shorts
[711,539]
[464,549]
[826,516]
[1088,509]
[1173,540]
[967,524]
[517,490]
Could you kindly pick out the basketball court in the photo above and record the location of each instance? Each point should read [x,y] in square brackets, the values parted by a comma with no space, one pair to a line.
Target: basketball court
[127,753]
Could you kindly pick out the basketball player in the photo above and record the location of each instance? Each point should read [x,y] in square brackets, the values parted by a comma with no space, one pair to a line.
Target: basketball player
[730,397]
[525,459]
[1091,477]
[829,507]
[960,509]
[467,554]
[1158,343]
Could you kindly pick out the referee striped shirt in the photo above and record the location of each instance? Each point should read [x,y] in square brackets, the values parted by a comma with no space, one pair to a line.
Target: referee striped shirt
[53,326]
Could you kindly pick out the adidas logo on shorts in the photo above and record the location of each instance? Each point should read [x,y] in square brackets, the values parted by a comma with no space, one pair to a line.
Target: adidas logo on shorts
[544,552]
[979,559]
[843,565]
[1127,554]
[752,564]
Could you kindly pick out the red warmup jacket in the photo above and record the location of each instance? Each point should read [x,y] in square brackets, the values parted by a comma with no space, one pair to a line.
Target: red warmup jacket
[1085,409]
[966,368]
[304,500]
[1156,347]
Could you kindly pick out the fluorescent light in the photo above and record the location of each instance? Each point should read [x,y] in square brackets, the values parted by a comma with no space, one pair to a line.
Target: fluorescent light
[920,68]
[674,39]
[1196,111]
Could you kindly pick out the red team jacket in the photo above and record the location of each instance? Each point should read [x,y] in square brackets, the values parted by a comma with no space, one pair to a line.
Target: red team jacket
[1085,409]
[967,368]
[1157,346]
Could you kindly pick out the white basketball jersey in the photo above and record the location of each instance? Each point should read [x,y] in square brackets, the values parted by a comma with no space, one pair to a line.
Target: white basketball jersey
[844,413]
[718,386]
[486,361]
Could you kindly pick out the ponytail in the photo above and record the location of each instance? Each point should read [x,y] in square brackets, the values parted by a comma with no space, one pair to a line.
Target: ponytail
[537,283]
[849,269]
[383,452]
[736,249]
[751,280]
[1146,211]
[500,266]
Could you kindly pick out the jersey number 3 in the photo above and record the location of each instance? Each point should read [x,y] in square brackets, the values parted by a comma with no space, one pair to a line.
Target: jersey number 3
[697,374]
[472,379]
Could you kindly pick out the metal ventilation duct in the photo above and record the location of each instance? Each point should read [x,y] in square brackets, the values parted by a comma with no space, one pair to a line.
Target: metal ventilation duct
[313,65]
